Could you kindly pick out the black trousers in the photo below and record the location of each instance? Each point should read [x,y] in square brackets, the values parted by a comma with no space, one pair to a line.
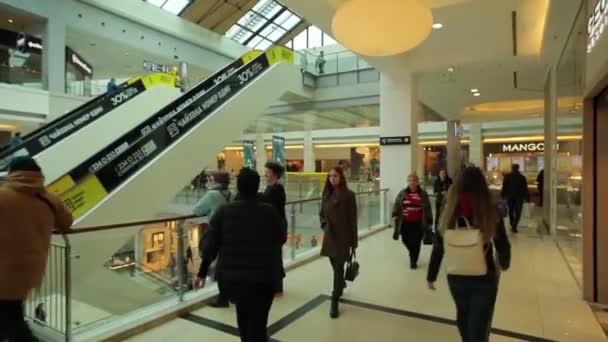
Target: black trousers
[253,302]
[13,327]
[438,204]
[515,208]
[339,282]
[411,235]
[475,298]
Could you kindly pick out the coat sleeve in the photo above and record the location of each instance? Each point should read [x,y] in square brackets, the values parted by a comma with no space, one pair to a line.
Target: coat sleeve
[354,218]
[505,186]
[279,228]
[397,211]
[63,215]
[211,243]
[322,215]
[502,245]
[436,258]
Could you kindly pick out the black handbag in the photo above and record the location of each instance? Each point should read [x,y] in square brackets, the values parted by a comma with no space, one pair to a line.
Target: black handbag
[352,269]
[428,236]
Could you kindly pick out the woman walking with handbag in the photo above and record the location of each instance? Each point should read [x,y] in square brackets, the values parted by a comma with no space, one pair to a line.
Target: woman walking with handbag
[413,216]
[469,231]
[338,218]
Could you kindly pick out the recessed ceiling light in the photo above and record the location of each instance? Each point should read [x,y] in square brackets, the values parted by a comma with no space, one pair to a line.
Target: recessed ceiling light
[11,21]
[477,94]
[451,69]
[437,26]
[474,90]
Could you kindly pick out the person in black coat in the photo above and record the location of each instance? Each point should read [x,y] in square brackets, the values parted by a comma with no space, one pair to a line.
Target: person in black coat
[442,184]
[246,236]
[540,183]
[274,195]
[515,192]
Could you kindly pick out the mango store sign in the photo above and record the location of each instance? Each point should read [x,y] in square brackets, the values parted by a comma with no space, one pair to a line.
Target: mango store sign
[524,147]
[598,21]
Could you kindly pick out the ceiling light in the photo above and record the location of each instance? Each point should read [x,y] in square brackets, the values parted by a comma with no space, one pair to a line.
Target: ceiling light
[474,90]
[451,69]
[403,25]
[476,94]
[437,26]
[11,21]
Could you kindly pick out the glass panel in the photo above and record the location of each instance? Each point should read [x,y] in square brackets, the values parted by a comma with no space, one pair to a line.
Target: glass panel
[268,8]
[264,44]
[307,233]
[328,40]
[175,6]
[239,33]
[290,22]
[255,41]
[314,37]
[300,41]
[252,21]
[275,34]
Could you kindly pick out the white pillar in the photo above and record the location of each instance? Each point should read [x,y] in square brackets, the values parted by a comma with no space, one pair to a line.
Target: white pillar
[551,148]
[309,153]
[476,156]
[398,117]
[53,56]
[260,153]
[454,157]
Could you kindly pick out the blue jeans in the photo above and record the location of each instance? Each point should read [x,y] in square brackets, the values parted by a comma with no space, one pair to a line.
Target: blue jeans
[475,298]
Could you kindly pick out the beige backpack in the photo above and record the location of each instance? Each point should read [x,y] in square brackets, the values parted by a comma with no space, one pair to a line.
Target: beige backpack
[464,251]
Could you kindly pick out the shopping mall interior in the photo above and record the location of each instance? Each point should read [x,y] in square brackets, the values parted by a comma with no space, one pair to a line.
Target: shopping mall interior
[382,89]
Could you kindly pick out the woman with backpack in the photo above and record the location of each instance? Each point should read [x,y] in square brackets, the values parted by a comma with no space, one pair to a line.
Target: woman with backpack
[470,229]
[207,206]
[338,219]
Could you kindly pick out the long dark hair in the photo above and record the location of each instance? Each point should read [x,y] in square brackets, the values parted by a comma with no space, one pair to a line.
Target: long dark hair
[329,188]
[485,214]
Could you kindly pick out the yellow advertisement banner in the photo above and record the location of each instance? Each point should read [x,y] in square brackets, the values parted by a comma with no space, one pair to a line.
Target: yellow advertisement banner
[61,185]
[278,54]
[159,79]
[249,56]
[85,196]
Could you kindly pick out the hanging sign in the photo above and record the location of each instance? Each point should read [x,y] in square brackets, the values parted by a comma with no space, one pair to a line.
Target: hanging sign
[598,21]
[387,141]
[249,154]
[278,150]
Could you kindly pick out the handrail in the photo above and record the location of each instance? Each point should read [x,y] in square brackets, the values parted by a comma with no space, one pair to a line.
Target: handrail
[93,229]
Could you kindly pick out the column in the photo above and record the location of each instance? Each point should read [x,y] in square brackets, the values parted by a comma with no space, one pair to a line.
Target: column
[476,156]
[454,156]
[309,153]
[398,117]
[550,189]
[53,56]
[260,153]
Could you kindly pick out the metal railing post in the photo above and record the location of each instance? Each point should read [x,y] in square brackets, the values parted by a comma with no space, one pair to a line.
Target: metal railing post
[181,281]
[370,210]
[292,227]
[68,287]
[301,198]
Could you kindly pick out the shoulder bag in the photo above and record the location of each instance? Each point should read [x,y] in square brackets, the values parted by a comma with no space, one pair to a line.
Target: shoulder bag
[464,250]
[352,269]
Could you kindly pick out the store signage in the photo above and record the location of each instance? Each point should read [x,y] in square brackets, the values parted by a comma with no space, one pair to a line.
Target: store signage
[153,67]
[27,43]
[524,147]
[78,62]
[114,150]
[387,141]
[597,24]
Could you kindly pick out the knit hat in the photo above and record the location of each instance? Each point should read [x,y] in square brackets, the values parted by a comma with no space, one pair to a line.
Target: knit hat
[23,163]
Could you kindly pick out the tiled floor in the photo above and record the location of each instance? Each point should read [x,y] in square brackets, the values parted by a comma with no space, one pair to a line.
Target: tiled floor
[538,297]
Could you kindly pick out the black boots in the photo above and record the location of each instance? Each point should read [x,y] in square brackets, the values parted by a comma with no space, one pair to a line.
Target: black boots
[334,312]
[220,302]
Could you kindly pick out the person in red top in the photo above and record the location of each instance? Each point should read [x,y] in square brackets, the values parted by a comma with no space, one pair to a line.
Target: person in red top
[412,215]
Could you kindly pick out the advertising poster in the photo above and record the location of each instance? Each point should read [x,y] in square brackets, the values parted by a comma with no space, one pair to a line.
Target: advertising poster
[249,154]
[278,150]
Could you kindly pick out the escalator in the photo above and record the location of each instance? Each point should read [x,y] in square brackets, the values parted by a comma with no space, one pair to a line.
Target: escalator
[137,175]
[47,143]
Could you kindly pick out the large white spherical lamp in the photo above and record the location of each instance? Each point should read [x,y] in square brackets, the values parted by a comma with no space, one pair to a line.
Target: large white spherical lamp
[381,27]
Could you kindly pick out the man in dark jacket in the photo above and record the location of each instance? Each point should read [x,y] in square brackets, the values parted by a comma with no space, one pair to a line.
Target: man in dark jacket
[442,185]
[274,194]
[247,235]
[515,192]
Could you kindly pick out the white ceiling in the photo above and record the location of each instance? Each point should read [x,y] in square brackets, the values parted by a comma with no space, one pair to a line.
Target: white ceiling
[477,41]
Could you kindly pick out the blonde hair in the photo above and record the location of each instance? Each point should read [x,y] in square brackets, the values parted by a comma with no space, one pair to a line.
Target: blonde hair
[413,175]
[485,213]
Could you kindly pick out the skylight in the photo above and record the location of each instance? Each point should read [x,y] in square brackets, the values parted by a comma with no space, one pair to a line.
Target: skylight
[173,6]
[265,24]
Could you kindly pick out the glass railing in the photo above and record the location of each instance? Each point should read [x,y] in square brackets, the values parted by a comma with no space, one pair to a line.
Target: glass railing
[343,67]
[151,271]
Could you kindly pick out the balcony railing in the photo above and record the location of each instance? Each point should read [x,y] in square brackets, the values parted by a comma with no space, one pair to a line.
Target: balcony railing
[150,276]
